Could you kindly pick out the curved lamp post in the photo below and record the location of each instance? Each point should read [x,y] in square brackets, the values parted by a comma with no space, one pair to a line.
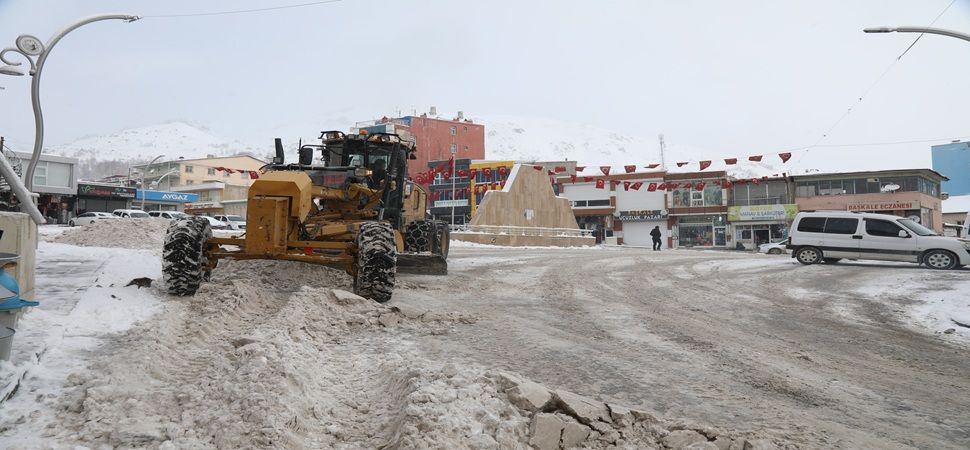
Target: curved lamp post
[35,52]
[143,173]
[154,184]
[940,31]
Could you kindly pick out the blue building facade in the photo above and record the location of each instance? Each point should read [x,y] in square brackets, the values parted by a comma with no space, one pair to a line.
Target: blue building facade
[953,161]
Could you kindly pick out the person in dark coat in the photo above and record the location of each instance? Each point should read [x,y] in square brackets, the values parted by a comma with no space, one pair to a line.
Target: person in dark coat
[655,234]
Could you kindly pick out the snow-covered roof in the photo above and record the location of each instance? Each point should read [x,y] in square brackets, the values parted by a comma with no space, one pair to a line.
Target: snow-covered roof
[957,204]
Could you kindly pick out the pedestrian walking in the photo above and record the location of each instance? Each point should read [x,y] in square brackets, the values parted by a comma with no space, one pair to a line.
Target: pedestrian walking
[655,233]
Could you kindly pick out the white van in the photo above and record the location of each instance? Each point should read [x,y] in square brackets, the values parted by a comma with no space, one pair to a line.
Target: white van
[130,213]
[829,236]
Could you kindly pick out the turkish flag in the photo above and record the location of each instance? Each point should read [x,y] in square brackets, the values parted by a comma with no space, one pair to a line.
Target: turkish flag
[587,179]
[605,170]
[730,161]
[572,178]
[727,184]
[502,184]
[672,186]
[446,176]
[551,173]
[755,181]
[765,178]
[742,181]
[600,184]
[652,187]
[580,168]
[487,172]
[636,186]
[253,174]
[440,168]
[661,187]
[652,166]
[626,185]
[462,173]
[560,169]
[502,171]
[539,168]
[681,164]
[705,164]
[754,158]
[630,169]
[699,186]
[472,172]
[784,156]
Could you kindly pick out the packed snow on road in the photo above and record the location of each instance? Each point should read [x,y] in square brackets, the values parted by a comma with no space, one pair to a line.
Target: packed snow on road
[543,348]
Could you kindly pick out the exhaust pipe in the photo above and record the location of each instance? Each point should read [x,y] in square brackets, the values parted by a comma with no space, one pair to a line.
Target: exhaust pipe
[279,152]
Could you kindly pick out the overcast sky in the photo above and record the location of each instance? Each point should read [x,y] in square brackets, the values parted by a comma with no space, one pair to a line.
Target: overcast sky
[729,76]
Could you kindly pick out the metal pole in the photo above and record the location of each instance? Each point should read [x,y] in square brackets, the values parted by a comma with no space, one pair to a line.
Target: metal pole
[927,30]
[36,69]
[143,173]
[27,202]
[453,176]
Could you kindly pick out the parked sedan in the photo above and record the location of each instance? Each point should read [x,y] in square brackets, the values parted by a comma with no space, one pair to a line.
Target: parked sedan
[234,222]
[215,224]
[776,248]
[90,217]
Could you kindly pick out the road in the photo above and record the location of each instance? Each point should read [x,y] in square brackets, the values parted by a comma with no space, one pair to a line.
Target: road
[823,355]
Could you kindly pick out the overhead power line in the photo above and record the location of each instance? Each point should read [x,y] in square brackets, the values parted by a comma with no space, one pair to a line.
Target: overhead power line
[240,11]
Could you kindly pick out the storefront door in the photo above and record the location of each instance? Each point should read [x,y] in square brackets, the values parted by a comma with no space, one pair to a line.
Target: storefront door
[719,239]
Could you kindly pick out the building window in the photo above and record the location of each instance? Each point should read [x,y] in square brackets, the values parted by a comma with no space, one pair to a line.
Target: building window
[188,182]
[454,131]
[211,171]
[188,168]
[454,148]
[697,198]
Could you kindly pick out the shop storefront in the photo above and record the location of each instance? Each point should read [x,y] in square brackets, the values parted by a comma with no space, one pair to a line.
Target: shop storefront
[165,201]
[701,231]
[637,226]
[102,197]
[754,225]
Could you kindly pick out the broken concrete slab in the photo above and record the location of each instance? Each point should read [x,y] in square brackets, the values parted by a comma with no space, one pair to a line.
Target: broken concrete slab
[574,434]
[545,431]
[759,444]
[388,319]
[347,298]
[529,396]
[621,415]
[585,409]
[680,439]
[706,445]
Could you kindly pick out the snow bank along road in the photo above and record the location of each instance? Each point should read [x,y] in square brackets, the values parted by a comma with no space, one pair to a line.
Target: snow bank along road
[829,354]
[710,349]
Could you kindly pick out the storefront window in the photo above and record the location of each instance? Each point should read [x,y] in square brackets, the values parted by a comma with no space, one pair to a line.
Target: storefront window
[701,231]
[685,198]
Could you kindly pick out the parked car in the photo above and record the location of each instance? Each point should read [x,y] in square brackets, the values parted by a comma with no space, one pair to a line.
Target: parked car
[234,222]
[775,248]
[130,213]
[173,215]
[90,217]
[829,236]
[215,224]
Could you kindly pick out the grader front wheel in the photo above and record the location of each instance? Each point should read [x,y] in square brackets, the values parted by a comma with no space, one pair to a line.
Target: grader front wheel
[376,261]
[184,264]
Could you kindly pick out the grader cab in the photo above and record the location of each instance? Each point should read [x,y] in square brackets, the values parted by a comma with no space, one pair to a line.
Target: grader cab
[353,208]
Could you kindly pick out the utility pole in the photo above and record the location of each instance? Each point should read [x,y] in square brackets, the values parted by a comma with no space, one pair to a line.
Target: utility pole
[663,149]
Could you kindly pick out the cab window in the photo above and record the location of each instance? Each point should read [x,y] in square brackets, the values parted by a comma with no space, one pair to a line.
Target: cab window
[841,226]
[875,227]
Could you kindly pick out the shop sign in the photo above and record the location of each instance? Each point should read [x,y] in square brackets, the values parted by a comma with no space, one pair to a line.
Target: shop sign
[94,190]
[203,205]
[450,203]
[883,206]
[642,214]
[762,212]
[174,197]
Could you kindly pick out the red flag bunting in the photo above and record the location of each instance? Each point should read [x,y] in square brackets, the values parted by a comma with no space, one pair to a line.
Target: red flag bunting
[699,186]
[502,171]
[487,172]
[765,178]
[630,169]
[253,174]
[754,158]
[580,168]
[605,170]
[472,172]
[636,186]
[462,173]
[587,179]
[652,166]
[727,184]
[681,164]
[755,181]
[705,164]
[600,184]
[539,168]
[661,187]
[572,178]
[730,161]
[560,169]
[626,185]
[784,156]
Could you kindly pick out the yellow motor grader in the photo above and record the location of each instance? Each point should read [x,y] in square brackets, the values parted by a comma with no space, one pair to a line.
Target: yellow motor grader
[352,208]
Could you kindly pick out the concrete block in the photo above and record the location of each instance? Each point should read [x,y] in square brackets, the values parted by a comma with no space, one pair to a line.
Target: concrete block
[545,431]
[574,434]
[585,409]
[529,396]
[680,439]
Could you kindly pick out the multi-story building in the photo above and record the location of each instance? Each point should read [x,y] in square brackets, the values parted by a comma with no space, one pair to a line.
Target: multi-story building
[953,162]
[760,210]
[55,179]
[435,138]
[221,184]
[618,208]
[913,193]
[697,207]
[448,195]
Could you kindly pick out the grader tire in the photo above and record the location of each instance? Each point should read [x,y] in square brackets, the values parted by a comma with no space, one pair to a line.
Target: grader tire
[442,239]
[184,264]
[376,262]
[418,236]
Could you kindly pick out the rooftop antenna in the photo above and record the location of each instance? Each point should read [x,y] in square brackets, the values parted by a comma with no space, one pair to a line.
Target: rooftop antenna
[663,148]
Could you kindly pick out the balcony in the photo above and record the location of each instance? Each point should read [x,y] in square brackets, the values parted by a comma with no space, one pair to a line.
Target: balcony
[780,200]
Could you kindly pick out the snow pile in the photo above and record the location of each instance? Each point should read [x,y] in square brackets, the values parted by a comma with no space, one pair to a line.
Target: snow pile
[122,233]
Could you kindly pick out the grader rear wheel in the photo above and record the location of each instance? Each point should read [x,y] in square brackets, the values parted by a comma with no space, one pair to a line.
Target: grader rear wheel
[418,236]
[376,262]
[184,264]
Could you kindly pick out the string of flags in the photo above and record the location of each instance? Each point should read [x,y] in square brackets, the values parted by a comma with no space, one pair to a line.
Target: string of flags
[631,168]
[253,174]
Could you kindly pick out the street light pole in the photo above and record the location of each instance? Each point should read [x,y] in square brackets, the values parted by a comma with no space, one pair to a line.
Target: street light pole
[927,30]
[143,173]
[29,47]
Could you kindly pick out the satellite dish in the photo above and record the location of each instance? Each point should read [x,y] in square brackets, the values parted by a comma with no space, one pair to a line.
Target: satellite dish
[891,187]
[914,218]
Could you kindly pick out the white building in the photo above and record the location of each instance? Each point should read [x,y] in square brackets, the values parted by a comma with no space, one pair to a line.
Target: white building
[621,208]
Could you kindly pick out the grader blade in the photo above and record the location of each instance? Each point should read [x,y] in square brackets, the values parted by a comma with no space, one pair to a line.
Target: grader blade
[422,264]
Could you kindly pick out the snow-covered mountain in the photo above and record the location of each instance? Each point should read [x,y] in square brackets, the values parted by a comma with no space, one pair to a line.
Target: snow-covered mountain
[112,154]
